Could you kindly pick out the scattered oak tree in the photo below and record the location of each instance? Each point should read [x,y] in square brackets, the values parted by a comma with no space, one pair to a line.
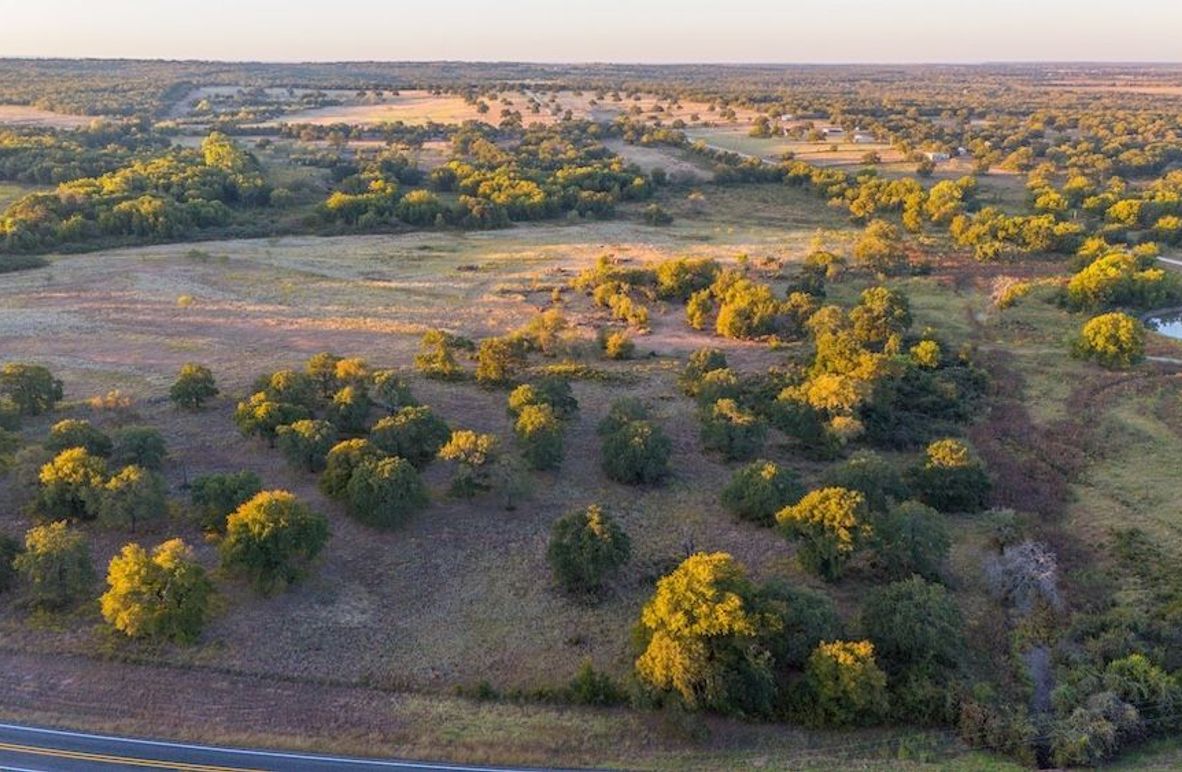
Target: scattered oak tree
[272,538]
[55,566]
[830,525]
[384,492]
[194,386]
[32,389]
[306,443]
[759,490]
[585,548]
[164,595]
[413,433]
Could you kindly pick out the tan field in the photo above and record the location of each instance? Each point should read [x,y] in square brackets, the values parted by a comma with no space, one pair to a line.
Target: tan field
[27,115]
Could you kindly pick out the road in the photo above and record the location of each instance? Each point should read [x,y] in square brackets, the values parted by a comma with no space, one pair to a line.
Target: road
[29,749]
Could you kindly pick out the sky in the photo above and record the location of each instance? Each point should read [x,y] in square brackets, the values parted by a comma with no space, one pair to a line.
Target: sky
[660,31]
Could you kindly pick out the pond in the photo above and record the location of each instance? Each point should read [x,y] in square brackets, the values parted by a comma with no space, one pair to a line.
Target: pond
[1168,323]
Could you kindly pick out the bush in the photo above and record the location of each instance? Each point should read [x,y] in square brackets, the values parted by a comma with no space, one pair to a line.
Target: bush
[32,389]
[914,624]
[700,362]
[138,446]
[272,538]
[340,463]
[759,490]
[703,638]
[75,433]
[194,386]
[910,538]
[389,391]
[590,687]
[845,685]
[55,566]
[655,214]
[69,485]
[880,314]
[384,492]
[586,547]
[805,619]
[951,479]
[736,433]
[830,525]
[217,495]
[621,412]
[437,355]
[306,443]
[262,417]
[539,433]
[618,345]
[133,496]
[636,454]
[291,388]
[164,595]
[880,248]
[414,433]
[10,548]
[872,476]
[1115,341]
[747,310]
[321,370]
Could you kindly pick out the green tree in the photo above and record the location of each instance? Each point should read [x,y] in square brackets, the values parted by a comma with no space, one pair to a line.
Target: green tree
[804,618]
[139,446]
[951,479]
[830,525]
[728,429]
[194,386]
[845,685]
[555,392]
[1115,341]
[349,409]
[31,388]
[759,490]
[437,355]
[10,548]
[384,492]
[911,538]
[389,391]
[322,370]
[217,495]
[55,566]
[700,362]
[69,484]
[880,248]
[871,475]
[260,416]
[290,387]
[340,464]
[637,453]
[474,454]
[306,443]
[539,433]
[880,314]
[77,433]
[272,538]
[499,360]
[164,595]
[133,496]
[414,433]
[703,634]
[914,624]
[585,548]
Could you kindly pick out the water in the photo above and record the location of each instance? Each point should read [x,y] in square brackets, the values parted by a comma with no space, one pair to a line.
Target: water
[1168,324]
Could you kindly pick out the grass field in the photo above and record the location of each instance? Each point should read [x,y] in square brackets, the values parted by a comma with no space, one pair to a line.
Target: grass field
[27,115]
[10,192]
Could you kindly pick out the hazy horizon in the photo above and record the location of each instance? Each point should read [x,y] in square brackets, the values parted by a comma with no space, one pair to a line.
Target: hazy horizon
[889,32]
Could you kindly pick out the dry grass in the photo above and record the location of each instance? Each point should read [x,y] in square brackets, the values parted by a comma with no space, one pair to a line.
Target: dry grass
[27,115]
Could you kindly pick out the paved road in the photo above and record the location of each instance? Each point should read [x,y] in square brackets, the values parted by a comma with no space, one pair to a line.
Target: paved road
[29,749]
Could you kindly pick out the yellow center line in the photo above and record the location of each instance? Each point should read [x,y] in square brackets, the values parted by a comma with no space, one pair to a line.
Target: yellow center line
[103,758]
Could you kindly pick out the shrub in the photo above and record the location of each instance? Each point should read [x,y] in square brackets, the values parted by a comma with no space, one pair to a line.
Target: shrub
[620,413]
[133,496]
[718,384]
[384,492]
[590,687]
[759,490]
[880,248]
[951,479]
[736,433]
[164,595]
[389,392]
[880,314]
[703,635]
[292,388]
[217,495]
[636,454]
[872,476]
[272,538]
[914,623]
[474,454]
[805,619]
[69,484]
[1121,279]
[830,525]
[32,389]
[1115,341]
[1092,734]
[747,310]
[655,214]
[700,362]
[680,278]
[194,386]
[139,446]
[910,538]
[539,433]
[618,345]
[1155,693]
[585,547]
[55,566]
[414,433]
[845,685]
[75,433]
[321,369]
[340,463]
[306,443]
